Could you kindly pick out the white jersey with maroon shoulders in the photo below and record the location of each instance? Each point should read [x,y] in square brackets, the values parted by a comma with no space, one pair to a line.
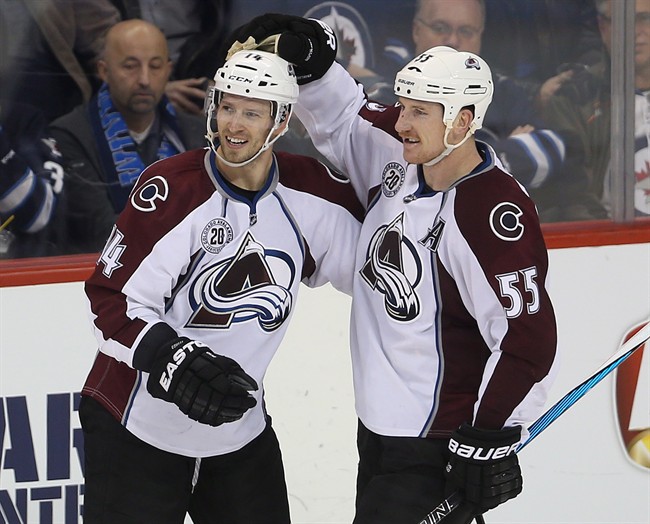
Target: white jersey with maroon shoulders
[451,319]
[190,252]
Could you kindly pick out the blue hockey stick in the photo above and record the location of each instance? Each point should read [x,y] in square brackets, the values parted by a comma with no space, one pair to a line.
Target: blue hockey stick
[640,337]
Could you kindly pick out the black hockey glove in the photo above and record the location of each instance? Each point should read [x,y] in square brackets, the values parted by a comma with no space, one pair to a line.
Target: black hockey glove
[483,466]
[209,388]
[307,43]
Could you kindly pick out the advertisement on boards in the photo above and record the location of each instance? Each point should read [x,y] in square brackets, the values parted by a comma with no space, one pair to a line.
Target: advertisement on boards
[46,349]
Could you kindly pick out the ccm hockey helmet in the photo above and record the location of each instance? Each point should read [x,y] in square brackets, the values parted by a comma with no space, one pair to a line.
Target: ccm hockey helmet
[454,79]
[258,74]
[254,74]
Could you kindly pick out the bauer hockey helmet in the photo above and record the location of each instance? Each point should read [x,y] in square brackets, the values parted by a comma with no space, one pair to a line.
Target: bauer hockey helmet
[454,79]
[254,74]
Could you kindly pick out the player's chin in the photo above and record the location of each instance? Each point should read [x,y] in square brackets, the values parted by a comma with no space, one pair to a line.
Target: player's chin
[411,155]
[236,157]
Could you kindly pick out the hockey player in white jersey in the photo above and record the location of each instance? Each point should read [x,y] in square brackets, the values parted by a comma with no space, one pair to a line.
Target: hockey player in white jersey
[453,334]
[190,300]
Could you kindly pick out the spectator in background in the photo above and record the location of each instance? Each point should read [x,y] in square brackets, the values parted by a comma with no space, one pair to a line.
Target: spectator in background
[128,125]
[195,30]
[546,162]
[529,39]
[48,50]
[584,107]
[31,181]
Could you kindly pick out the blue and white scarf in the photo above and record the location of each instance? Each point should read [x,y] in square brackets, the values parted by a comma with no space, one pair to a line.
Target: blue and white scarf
[119,158]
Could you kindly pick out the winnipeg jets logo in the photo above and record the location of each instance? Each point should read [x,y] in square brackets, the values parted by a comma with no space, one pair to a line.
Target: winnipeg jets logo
[342,23]
[243,288]
[393,268]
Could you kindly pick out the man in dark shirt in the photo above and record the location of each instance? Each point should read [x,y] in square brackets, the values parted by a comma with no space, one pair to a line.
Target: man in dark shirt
[128,125]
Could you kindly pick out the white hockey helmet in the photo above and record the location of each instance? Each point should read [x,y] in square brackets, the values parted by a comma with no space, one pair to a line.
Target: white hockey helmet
[454,79]
[258,74]
[254,74]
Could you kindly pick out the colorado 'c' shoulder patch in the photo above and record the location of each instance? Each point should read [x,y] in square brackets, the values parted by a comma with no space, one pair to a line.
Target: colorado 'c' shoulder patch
[392,178]
[505,221]
[215,235]
[374,106]
[144,198]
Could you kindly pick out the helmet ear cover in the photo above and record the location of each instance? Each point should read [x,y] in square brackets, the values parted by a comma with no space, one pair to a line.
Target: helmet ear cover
[454,79]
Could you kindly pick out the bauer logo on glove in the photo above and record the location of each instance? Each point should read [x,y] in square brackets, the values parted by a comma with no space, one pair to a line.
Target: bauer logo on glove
[483,466]
[480,453]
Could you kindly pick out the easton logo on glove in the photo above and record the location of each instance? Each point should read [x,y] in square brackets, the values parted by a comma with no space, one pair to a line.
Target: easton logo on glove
[178,356]
[207,387]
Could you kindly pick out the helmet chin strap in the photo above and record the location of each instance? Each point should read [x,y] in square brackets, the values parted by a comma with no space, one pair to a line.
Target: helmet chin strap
[449,147]
[265,146]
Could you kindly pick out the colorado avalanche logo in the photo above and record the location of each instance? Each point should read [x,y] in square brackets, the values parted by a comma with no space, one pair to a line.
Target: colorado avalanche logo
[393,268]
[472,63]
[243,288]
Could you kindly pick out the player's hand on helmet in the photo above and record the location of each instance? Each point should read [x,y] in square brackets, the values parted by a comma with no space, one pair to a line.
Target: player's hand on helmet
[209,388]
[483,466]
[307,43]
